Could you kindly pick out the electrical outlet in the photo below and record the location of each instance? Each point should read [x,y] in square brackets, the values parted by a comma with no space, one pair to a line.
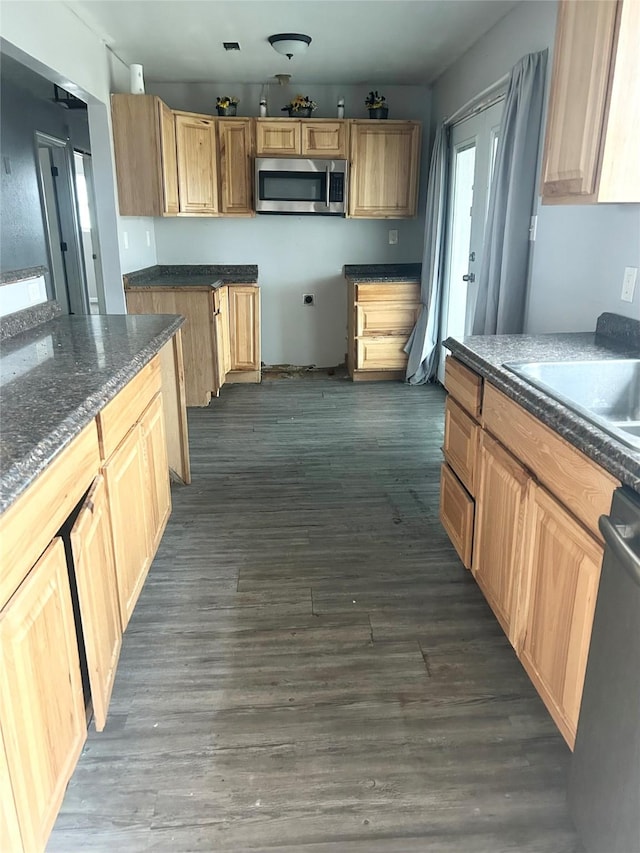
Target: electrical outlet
[393,237]
[125,239]
[629,283]
[308,299]
[148,233]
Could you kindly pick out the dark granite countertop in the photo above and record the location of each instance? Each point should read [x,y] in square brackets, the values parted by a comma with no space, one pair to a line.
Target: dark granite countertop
[22,275]
[487,354]
[57,376]
[192,275]
[383,272]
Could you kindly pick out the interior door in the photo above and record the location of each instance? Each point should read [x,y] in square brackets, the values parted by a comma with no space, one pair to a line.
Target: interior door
[473,144]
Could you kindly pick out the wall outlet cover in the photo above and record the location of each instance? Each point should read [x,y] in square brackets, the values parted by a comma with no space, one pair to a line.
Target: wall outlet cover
[308,299]
[629,283]
[393,237]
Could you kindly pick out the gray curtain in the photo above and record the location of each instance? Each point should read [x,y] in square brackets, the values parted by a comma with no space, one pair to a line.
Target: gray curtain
[502,282]
[423,345]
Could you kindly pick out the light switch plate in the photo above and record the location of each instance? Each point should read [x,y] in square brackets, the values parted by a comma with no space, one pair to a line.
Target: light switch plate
[393,237]
[629,284]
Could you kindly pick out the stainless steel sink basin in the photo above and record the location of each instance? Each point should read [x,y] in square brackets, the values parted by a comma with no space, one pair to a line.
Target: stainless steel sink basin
[605,392]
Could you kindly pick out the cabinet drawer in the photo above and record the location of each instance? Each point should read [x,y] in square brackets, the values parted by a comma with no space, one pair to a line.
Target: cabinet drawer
[464,385]
[456,514]
[581,485]
[379,318]
[118,416]
[389,291]
[385,353]
[461,435]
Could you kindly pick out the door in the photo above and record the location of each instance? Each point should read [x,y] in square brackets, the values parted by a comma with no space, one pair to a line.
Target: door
[197,174]
[168,159]
[236,184]
[95,572]
[157,465]
[321,138]
[281,136]
[62,230]
[83,174]
[41,703]
[243,327]
[473,145]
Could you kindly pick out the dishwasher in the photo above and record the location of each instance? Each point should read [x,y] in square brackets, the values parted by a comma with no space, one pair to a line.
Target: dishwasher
[604,781]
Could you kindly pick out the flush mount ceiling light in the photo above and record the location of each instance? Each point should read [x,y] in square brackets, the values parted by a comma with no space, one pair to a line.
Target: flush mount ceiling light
[290,44]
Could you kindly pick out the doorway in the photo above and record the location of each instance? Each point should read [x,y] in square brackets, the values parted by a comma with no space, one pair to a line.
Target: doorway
[88,232]
[473,144]
[62,232]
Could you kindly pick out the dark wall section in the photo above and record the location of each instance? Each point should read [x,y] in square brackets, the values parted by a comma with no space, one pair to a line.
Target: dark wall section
[22,113]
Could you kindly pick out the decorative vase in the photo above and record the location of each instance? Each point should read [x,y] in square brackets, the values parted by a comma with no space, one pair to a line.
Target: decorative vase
[227,111]
[304,113]
[382,112]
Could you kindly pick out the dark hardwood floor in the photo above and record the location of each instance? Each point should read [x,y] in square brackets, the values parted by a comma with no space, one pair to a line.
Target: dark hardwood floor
[309,667]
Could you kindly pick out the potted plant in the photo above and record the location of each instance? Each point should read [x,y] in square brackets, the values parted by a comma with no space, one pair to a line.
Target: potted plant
[227,106]
[377,105]
[300,107]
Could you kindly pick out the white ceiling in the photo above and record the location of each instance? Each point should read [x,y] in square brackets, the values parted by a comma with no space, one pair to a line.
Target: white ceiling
[354,41]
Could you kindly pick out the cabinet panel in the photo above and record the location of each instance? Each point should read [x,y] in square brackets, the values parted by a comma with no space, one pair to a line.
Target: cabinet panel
[244,324]
[157,470]
[278,136]
[223,344]
[456,514]
[584,487]
[95,571]
[235,145]
[381,318]
[461,437]
[42,708]
[560,584]
[464,385]
[169,158]
[10,837]
[578,100]
[128,497]
[384,169]
[499,528]
[114,421]
[197,174]
[386,353]
[324,138]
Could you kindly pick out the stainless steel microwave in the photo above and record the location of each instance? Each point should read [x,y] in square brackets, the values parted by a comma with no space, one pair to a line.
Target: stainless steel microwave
[288,185]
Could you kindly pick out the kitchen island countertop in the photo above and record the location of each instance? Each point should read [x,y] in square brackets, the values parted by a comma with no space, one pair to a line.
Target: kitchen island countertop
[55,378]
[486,355]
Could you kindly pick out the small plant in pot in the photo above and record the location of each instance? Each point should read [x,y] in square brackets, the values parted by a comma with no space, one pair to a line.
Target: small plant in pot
[300,107]
[227,106]
[377,105]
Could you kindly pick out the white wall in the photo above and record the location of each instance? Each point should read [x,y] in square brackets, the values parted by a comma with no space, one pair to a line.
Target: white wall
[51,40]
[580,253]
[294,254]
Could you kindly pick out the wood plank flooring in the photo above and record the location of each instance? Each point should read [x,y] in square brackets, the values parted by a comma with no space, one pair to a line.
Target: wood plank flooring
[309,667]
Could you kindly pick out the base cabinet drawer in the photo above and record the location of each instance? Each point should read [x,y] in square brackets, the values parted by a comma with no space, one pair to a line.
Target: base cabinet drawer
[378,318]
[389,292]
[461,437]
[384,353]
[456,514]
[464,385]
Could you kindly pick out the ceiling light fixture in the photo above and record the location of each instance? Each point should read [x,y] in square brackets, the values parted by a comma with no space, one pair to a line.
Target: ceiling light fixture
[290,44]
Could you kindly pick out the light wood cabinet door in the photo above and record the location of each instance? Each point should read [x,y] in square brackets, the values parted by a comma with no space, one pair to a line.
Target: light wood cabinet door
[456,514]
[197,172]
[461,439]
[385,164]
[157,470]
[578,99]
[41,702]
[95,572]
[556,604]
[235,147]
[322,138]
[10,837]
[169,158]
[499,528]
[130,510]
[244,327]
[278,136]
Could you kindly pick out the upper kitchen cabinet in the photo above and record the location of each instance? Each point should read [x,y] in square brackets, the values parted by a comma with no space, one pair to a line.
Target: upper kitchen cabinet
[593,129]
[315,137]
[235,148]
[385,164]
[197,167]
[144,140]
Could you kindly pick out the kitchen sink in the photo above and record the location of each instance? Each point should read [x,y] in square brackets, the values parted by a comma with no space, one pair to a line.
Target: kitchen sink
[605,392]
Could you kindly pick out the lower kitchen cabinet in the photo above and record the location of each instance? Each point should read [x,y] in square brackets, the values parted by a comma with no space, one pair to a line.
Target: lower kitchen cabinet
[156,470]
[95,573]
[42,709]
[457,514]
[244,327]
[559,586]
[499,523]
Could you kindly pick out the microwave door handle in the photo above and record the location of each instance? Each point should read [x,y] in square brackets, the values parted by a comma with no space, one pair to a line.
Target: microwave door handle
[327,200]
